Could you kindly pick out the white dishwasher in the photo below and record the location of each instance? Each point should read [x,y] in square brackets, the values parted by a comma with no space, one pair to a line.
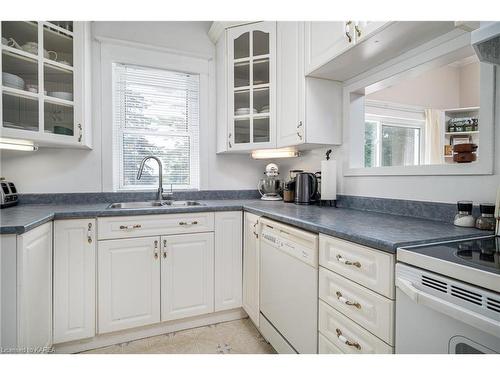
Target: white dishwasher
[288,287]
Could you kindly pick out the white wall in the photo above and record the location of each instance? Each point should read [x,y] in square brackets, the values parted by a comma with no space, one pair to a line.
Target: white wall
[68,170]
[442,88]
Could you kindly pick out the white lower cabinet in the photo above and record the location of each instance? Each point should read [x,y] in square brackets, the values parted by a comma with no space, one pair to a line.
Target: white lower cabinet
[228,260]
[34,288]
[350,337]
[187,275]
[325,346]
[251,259]
[74,279]
[129,283]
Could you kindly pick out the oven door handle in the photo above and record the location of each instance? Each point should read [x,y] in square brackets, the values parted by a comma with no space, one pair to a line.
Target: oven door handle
[454,311]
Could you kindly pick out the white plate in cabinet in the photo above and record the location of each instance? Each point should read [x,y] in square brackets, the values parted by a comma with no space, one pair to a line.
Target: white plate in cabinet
[369,309]
[325,346]
[368,267]
[187,275]
[128,283]
[349,336]
[74,279]
[154,225]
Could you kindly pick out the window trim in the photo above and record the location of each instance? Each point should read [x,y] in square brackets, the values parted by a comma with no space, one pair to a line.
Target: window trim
[161,58]
[400,123]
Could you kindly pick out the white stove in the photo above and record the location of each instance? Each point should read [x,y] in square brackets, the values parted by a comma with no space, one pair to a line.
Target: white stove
[448,296]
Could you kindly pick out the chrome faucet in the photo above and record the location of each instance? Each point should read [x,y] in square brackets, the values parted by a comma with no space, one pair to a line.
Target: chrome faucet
[159,194]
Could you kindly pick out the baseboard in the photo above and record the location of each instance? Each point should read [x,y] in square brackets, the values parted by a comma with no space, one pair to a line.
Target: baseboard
[148,331]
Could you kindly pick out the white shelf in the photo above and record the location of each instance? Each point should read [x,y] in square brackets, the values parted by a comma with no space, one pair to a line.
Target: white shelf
[53,100]
[460,110]
[58,66]
[19,54]
[462,133]
[20,93]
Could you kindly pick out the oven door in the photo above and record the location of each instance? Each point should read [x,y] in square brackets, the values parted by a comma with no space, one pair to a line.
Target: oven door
[428,322]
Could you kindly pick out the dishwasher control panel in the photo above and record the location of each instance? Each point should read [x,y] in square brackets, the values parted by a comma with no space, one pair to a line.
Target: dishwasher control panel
[287,245]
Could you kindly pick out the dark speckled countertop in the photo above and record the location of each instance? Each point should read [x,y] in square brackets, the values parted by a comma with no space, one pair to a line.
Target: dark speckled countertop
[381,231]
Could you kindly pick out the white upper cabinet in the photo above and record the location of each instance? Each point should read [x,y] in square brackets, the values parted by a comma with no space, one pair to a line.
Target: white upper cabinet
[228,259]
[74,279]
[309,110]
[249,73]
[187,275]
[128,283]
[324,40]
[45,83]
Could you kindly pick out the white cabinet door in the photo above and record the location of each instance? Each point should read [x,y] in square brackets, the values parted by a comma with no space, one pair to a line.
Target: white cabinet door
[74,279]
[251,259]
[34,282]
[129,283]
[187,275]
[290,83]
[228,260]
[323,41]
[251,86]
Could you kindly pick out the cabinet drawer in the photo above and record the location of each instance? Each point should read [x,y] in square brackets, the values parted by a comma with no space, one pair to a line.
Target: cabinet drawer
[154,225]
[325,346]
[347,335]
[368,267]
[369,309]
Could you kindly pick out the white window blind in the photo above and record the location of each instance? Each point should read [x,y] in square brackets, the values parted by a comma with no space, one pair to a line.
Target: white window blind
[155,112]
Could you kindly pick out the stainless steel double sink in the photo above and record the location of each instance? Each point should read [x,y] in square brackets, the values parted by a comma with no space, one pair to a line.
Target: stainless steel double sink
[149,204]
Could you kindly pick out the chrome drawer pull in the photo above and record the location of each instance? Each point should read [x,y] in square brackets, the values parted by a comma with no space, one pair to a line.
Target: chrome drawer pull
[156,249]
[164,249]
[346,341]
[254,227]
[348,262]
[187,223]
[89,233]
[135,226]
[346,301]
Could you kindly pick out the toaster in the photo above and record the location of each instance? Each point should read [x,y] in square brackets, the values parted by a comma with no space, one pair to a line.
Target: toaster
[8,194]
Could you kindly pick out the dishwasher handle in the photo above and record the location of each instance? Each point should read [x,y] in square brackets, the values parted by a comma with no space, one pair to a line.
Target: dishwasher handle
[456,312]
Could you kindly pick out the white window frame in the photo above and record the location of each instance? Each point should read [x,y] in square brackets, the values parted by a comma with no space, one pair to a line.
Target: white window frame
[129,53]
[400,123]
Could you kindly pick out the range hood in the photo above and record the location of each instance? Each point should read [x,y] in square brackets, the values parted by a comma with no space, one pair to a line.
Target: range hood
[486,42]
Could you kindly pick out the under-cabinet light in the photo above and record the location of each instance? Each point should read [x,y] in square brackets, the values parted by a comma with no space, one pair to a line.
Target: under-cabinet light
[276,153]
[17,144]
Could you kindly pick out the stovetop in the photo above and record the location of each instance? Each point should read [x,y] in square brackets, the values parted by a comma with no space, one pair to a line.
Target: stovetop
[480,253]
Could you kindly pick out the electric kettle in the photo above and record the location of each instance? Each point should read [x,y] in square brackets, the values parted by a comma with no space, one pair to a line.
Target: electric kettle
[306,187]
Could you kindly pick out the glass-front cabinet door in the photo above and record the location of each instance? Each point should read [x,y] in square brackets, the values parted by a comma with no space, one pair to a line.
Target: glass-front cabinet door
[42,93]
[251,86]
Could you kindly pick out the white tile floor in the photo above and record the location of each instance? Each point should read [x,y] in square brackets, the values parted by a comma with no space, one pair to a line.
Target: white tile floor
[235,337]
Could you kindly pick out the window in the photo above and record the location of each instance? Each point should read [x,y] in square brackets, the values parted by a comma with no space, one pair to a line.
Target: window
[156,112]
[392,142]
